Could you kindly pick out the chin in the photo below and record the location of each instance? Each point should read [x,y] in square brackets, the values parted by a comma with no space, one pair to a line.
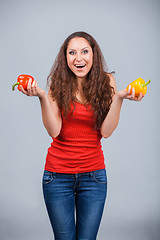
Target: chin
[81,75]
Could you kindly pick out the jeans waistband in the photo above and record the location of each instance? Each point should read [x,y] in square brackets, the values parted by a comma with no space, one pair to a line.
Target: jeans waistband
[78,174]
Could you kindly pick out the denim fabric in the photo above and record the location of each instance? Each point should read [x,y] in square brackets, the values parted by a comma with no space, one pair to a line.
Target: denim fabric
[75,203]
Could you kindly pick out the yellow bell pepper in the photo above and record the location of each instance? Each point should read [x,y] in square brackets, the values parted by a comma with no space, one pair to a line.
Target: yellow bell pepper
[139,85]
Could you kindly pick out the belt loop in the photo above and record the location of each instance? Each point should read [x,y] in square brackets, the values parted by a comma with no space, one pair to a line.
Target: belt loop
[76,175]
[91,174]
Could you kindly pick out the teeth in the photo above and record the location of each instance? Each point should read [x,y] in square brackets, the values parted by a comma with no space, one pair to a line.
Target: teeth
[80,65]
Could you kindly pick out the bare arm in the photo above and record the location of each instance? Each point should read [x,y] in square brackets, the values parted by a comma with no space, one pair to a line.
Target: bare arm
[111,121]
[51,115]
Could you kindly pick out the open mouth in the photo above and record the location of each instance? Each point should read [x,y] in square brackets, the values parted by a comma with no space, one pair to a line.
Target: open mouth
[80,65]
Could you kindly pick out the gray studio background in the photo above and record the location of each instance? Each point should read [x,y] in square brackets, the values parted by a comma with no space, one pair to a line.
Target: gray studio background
[31,35]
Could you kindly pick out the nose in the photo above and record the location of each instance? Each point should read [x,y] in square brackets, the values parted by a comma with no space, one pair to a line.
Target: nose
[78,57]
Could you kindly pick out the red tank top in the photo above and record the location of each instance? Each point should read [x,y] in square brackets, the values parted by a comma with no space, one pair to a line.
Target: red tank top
[77,149]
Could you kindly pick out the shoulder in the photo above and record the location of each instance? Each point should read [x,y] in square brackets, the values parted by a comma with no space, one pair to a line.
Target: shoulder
[112,80]
[53,102]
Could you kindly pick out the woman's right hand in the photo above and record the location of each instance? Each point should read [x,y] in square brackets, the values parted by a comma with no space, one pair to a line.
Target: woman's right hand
[33,90]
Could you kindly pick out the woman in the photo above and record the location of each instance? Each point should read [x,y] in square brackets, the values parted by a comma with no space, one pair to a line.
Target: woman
[81,107]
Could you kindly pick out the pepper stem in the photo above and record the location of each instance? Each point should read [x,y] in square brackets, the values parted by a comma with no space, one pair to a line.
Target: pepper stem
[17,83]
[143,85]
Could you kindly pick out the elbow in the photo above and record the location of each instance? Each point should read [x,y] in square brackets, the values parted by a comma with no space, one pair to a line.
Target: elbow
[106,135]
[54,135]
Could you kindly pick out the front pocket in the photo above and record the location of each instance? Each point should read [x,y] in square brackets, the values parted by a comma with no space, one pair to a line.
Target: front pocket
[47,177]
[100,177]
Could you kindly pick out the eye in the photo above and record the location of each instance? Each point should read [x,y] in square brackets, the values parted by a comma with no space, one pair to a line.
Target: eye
[85,51]
[72,52]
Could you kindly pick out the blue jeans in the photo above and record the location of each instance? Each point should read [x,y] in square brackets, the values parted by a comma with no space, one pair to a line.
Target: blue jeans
[75,203]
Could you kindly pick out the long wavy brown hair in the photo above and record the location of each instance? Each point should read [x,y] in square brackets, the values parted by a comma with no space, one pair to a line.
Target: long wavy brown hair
[63,83]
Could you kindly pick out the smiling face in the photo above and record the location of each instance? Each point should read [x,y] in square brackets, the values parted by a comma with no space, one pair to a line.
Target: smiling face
[79,56]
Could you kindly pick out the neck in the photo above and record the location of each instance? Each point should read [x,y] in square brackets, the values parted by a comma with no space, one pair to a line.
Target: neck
[80,80]
[80,94]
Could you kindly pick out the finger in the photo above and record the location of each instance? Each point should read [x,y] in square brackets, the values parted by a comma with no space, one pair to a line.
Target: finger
[140,97]
[133,92]
[29,88]
[33,88]
[129,97]
[125,93]
[129,89]
[33,85]
[35,81]
[29,85]
[22,90]
[130,93]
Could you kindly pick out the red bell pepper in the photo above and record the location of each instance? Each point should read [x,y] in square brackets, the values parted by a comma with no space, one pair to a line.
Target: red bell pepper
[23,80]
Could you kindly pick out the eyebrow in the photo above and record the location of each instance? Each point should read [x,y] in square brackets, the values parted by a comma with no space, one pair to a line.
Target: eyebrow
[74,49]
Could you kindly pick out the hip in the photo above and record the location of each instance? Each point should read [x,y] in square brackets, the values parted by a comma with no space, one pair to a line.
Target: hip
[93,184]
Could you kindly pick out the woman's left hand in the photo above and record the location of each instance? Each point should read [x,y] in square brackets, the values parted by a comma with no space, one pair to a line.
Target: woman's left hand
[124,94]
